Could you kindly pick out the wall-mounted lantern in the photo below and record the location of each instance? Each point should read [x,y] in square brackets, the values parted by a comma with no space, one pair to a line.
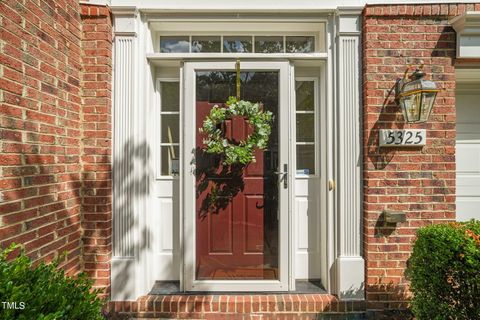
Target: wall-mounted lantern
[416,97]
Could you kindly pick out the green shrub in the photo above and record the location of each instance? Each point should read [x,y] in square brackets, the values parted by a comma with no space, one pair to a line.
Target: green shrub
[444,270]
[45,291]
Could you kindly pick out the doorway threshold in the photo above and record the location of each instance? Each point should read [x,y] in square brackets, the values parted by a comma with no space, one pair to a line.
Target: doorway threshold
[173,288]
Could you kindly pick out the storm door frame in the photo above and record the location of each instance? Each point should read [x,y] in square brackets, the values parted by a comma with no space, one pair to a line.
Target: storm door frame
[188,179]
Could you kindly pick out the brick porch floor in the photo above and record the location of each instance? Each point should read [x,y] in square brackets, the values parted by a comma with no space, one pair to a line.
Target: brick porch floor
[261,306]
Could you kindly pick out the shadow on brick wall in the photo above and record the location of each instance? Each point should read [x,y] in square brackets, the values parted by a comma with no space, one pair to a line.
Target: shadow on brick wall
[42,212]
[388,115]
[388,302]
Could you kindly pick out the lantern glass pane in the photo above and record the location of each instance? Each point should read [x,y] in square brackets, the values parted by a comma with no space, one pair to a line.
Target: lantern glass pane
[411,86]
[410,107]
[428,98]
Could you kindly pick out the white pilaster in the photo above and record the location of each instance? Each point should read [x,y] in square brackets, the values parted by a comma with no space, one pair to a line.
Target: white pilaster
[350,266]
[125,221]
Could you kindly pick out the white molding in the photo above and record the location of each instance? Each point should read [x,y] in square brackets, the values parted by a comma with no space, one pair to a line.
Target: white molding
[123,279]
[143,87]
[125,10]
[291,177]
[263,5]
[337,269]
[349,146]
[123,107]
[327,136]
[158,58]
[352,10]
[350,268]
[124,214]
[467,27]
[228,26]
[125,21]
[237,5]
[350,284]
[386,2]
[349,20]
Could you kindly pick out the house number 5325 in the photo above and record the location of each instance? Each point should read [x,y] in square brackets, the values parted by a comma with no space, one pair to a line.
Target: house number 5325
[402,137]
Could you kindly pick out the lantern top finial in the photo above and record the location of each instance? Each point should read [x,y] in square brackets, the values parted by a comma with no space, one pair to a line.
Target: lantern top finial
[417,74]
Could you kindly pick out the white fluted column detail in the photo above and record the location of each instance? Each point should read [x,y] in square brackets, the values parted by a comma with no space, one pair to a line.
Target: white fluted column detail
[125,222]
[123,133]
[350,266]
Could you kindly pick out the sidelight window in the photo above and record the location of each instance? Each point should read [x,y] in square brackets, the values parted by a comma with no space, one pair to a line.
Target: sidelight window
[305,112]
[169,127]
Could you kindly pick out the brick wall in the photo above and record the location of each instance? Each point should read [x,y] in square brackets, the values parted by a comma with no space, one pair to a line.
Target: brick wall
[418,181]
[55,129]
[96,142]
[40,115]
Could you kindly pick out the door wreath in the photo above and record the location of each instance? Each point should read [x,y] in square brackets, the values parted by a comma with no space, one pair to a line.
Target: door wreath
[243,152]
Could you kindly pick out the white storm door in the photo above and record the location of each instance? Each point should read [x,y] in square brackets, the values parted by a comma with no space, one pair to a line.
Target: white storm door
[236,217]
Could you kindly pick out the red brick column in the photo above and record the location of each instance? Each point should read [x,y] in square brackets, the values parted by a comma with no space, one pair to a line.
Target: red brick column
[40,128]
[418,181]
[97,142]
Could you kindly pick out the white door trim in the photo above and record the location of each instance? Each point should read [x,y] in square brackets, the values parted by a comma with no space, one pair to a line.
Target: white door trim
[129,269]
[188,178]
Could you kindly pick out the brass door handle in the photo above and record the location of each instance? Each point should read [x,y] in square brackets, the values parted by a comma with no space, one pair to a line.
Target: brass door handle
[331,185]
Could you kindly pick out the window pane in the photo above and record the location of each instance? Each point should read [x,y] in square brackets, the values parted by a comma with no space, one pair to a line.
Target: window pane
[247,247]
[205,44]
[170,160]
[215,86]
[170,128]
[268,44]
[237,44]
[170,96]
[169,44]
[300,44]
[305,127]
[306,159]
[305,95]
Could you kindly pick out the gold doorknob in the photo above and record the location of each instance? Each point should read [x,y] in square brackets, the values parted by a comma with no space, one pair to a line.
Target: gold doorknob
[331,184]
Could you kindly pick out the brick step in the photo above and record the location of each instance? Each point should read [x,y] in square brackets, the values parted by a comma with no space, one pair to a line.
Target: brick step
[256,316]
[262,306]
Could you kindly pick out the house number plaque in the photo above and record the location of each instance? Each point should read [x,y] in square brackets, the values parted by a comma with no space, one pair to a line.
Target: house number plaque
[402,137]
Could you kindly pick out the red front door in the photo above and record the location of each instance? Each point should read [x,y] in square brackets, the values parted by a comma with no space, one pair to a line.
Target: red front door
[236,206]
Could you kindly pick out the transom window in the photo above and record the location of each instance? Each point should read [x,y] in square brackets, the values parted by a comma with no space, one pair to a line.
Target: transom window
[237,44]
